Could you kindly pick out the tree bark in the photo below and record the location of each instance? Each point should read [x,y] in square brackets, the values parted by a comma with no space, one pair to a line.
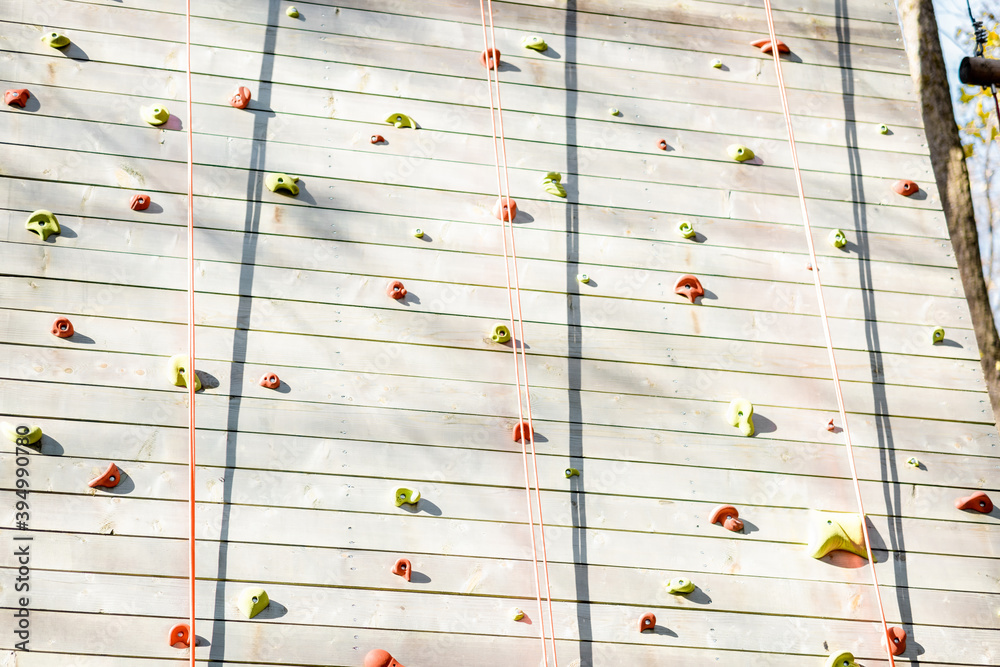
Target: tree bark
[923,48]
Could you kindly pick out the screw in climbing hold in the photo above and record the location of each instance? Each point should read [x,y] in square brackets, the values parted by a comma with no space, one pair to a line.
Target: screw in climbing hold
[680,586]
[740,414]
[647,622]
[906,187]
[883,129]
[56,40]
[583,278]
[572,472]
[837,238]
[401,120]
[535,43]
[552,183]
[501,334]
[843,659]
[62,328]
[419,233]
[490,58]
[505,209]
[829,531]
[16,97]
[685,229]
[690,287]
[292,12]
[739,152]
[379,658]
[43,223]
[937,335]
[522,431]
[140,202]
[407,496]
[896,639]
[978,501]
[728,516]
[154,115]
[662,144]
[252,601]
[180,636]
[913,461]
[378,139]
[614,111]
[109,479]
[716,63]
[270,381]
[177,371]
[279,181]
[765,46]
[241,98]
[516,614]
[402,568]
[396,290]
[22,434]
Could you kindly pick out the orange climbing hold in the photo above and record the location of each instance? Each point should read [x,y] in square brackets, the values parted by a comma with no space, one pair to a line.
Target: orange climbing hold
[270,380]
[180,636]
[978,501]
[241,98]
[728,516]
[490,58]
[378,139]
[765,46]
[402,568]
[62,328]
[897,640]
[662,144]
[16,97]
[647,622]
[108,479]
[830,427]
[521,430]
[396,290]
[379,658]
[905,187]
[689,286]
[505,209]
[140,202]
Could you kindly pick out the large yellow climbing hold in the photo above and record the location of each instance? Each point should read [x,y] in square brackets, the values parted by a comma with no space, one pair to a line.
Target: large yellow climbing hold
[739,152]
[740,415]
[253,601]
[829,531]
[178,372]
[842,659]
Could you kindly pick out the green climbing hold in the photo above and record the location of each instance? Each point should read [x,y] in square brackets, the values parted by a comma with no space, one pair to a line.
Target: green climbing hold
[843,659]
[22,434]
[155,115]
[614,111]
[178,372]
[837,238]
[275,182]
[401,120]
[937,335]
[56,40]
[407,496]
[572,472]
[739,152]
[43,223]
[552,183]
[680,586]
[253,601]
[685,229]
[535,43]
[740,414]
[883,129]
[501,334]
[292,12]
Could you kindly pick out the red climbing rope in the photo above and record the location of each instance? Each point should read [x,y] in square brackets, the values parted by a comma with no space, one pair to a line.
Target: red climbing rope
[191,357]
[826,328]
[507,215]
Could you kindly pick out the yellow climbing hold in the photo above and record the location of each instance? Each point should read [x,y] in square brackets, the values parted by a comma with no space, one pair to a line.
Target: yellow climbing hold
[56,40]
[154,115]
[407,496]
[21,434]
[739,152]
[829,531]
[253,601]
[177,371]
[43,223]
[552,183]
[680,586]
[535,43]
[275,182]
[740,414]
[401,120]
[843,659]
[292,12]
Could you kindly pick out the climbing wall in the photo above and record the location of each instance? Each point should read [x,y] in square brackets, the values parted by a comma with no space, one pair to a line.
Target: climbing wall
[649,112]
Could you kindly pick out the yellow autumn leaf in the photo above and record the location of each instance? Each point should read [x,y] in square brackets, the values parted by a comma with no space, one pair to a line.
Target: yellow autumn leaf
[969,150]
[965,97]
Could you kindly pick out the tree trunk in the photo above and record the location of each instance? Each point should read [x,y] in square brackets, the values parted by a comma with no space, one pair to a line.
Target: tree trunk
[923,49]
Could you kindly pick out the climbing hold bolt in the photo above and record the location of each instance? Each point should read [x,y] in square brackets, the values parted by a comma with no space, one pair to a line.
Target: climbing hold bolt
[108,479]
[647,622]
[505,209]
[685,229]
[178,372]
[662,144]
[896,638]
[501,334]
[140,202]
[740,414]
[831,532]
[843,659]
[978,501]
[396,290]
[552,183]
[292,12]
[614,111]
[252,601]
[680,586]
[275,182]
[837,238]
[56,40]
[765,46]
[913,461]
[43,223]
[62,328]
[906,187]
[716,63]
[937,335]
[180,636]
[154,115]
[516,614]
[522,431]
[535,43]
[379,658]
[572,472]
[407,496]
[739,152]
[728,516]
[583,278]
[378,139]
[241,98]
[690,287]
[490,58]
[401,120]
[419,233]
[270,381]
[16,97]
[22,434]
[402,568]
[883,129]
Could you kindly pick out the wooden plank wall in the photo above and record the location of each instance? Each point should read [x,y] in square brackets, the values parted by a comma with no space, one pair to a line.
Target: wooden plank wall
[629,381]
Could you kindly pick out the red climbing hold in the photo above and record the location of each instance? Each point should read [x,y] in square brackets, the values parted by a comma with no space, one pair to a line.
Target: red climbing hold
[396,290]
[728,516]
[765,46]
[689,286]
[897,640]
[905,187]
[662,144]
[522,429]
[489,58]
[180,636]
[270,380]
[379,658]
[241,98]
[108,479]
[16,97]
[62,328]
[505,209]
[378,139]
[830,427]
[402,568]
[978,501]
[647,622]
[140,202]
